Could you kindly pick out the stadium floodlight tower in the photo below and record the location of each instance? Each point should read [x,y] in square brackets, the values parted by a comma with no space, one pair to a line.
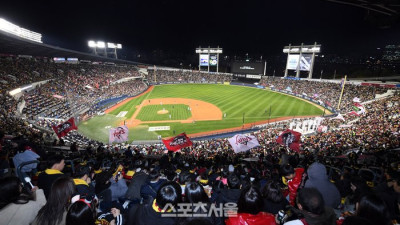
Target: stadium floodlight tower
[106,49]
[10,28]
[208,57]
[301,58]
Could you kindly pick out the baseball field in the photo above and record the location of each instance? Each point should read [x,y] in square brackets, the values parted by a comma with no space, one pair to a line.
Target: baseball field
[196,109]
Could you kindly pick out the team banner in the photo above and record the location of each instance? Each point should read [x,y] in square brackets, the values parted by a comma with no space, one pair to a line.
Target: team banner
[178,142]
[63,129]
[118,134]
[241,143]
[290,139]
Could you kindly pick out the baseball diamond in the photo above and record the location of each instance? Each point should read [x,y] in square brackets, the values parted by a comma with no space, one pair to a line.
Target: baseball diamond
[198,109]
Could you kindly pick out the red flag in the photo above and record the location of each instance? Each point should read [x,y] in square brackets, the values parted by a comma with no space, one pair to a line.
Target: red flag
[353,113]
[62,129]
[291,139]
[178,142]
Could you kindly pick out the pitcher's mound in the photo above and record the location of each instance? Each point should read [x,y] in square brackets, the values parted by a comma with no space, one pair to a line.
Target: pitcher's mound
[164,111]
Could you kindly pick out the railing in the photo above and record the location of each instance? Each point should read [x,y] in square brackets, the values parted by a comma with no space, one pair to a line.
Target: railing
[21,175]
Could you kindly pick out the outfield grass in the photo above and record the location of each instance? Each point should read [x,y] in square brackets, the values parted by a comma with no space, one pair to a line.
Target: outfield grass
[177,112]
[237,102]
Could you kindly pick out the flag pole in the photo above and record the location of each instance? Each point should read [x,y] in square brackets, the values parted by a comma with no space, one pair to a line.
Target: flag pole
[341,94]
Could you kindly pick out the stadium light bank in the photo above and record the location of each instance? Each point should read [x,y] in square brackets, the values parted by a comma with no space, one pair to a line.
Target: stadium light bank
[102,48]
[13,29]
[301,58]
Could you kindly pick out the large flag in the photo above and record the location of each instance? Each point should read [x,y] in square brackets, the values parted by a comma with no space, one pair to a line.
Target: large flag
[63,129]
[241,143]
[356,99]
[338,117]
[290,139]
[178,142]
[358,109]
[118,134]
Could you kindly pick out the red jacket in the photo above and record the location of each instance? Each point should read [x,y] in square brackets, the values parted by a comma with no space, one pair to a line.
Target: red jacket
[293,184]
[261,218]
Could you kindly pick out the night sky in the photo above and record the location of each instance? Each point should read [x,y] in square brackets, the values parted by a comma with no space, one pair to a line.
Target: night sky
[258,27]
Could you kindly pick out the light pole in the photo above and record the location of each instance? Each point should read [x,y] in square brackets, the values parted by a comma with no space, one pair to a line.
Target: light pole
[95,45]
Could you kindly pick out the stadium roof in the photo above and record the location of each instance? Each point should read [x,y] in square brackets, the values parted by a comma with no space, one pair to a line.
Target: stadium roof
[386,7]
[14,45]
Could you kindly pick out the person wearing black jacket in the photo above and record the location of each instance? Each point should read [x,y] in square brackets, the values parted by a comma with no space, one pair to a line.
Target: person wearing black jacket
[83,183]
[137,181]
[157,212]
[55,164]
[273,198]
[148,191]
[231,194]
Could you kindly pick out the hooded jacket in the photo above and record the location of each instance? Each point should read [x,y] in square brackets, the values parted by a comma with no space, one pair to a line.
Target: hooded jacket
[317,178]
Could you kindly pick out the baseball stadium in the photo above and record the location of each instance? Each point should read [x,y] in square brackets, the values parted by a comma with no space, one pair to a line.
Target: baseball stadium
[197,110]
[163,117]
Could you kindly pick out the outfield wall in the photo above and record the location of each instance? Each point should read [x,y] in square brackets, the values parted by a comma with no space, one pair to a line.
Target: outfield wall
[307,98]
[256,86]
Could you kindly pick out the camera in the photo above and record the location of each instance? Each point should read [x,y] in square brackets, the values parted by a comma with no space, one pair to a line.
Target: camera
[117,176]
[282,217]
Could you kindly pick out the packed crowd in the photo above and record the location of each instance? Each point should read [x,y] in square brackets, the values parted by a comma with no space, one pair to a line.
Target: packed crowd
[205,184]
[59,98]
[327,93]
[347,175]
[185,76]
[350,173]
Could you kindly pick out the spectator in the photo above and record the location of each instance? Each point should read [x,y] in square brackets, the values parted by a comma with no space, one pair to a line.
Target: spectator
[195,195]
[16,208]
[373,209]
[83,183]
[318,178]
[293,178]
[312,206]
[27,155]
[273,198]
[80,213]
[169,194]
[249,212]
[137,181]
[231,194]
[149,190]
[55,164]
[55,210]
[118,187]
